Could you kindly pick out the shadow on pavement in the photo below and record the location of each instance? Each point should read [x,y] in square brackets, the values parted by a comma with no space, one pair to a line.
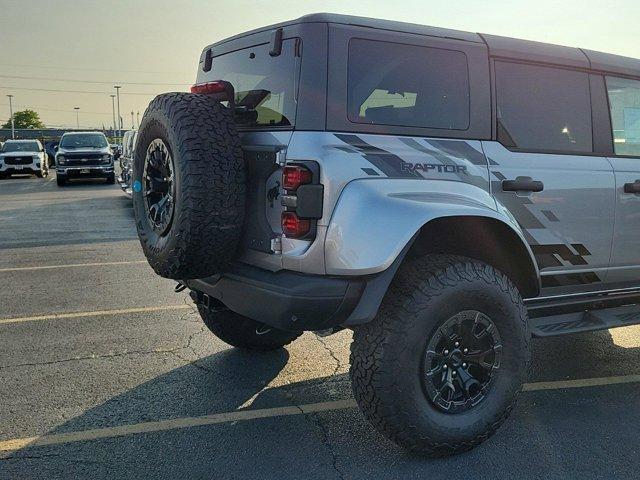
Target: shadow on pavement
[579,433]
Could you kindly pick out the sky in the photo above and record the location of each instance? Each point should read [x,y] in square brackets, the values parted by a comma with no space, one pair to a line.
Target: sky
[59,54]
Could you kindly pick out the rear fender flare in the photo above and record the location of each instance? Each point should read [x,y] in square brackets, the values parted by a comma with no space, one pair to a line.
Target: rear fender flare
[374,219]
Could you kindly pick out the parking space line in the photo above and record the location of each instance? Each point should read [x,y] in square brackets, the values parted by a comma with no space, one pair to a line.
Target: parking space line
[172,424]
[581,383]
[94,313]
[244,415]
[71,265]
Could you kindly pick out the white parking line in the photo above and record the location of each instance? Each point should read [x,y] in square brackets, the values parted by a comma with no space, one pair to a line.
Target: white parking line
[243,415]
[94,313]
[71,265]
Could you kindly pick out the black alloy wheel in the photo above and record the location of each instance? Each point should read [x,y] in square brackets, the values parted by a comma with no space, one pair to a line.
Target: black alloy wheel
[461,360]
[158,186]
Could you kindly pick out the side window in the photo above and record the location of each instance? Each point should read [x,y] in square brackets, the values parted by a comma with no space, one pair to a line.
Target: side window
[407,85]
[543,108]
[624,100]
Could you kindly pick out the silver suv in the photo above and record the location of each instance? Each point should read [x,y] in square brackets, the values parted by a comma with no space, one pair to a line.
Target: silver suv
[443,194]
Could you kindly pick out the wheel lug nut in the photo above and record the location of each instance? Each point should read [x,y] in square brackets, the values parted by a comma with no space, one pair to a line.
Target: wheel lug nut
[457,344]
[465,350]
[453,374]
[446,352]
[464,365]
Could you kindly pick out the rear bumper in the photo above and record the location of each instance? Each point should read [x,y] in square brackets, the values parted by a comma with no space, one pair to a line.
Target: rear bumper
[284,299]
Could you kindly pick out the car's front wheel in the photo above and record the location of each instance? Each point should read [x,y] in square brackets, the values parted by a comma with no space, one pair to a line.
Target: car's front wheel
[440,367]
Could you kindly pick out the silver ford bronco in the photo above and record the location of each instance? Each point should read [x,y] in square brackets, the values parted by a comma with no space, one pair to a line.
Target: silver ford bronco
[445,195]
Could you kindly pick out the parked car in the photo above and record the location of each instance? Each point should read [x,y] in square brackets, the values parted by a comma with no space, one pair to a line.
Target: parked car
[126,161]
[50,149]
[84,155]
[23,156]
[116,149]
[443,194]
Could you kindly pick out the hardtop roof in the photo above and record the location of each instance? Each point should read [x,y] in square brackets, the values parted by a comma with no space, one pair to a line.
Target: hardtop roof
[503,47]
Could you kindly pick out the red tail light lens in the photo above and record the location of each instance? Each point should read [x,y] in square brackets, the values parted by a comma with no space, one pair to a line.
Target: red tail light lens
[294,227]
[294,176]
[210,87]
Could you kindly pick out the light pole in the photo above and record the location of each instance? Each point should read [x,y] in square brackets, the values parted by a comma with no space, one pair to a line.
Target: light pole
[117,87]
[133,124]
[77,109]
[13,127]
[113,109]
[138,117]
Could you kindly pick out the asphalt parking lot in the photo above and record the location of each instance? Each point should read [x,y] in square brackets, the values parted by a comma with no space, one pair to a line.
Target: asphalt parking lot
[106,373]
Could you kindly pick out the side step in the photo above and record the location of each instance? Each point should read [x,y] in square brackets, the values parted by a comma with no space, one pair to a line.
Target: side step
[586,321]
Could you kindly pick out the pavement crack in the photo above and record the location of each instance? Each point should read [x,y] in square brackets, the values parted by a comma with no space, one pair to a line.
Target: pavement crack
[194,363]
[30,457]
[331,353]
[88,357]
[317,421]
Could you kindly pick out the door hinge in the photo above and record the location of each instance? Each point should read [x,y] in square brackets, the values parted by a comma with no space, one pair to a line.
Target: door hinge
[276,244]
[281,157]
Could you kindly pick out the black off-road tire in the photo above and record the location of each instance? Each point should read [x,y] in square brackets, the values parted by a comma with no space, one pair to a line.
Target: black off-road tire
[242,332]
[387,354]
[208,180]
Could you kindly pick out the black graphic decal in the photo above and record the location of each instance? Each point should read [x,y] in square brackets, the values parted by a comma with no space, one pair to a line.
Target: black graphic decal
[386,162]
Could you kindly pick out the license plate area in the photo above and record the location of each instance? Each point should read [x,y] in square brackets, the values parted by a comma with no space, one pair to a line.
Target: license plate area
[85,170]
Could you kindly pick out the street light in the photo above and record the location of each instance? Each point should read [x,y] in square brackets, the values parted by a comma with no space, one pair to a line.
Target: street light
[133,123]
[113,109]
[13,127]
[117,87]
[77,109]
[138,117]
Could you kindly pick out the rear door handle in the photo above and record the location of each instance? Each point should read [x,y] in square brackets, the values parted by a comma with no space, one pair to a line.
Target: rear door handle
[632,187]
[522,184]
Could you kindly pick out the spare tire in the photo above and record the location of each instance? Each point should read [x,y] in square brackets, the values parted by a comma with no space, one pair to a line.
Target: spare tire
[188,186]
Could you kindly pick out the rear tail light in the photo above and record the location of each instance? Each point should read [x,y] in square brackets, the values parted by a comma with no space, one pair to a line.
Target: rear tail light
[222,90]
[294,176]
[210,87]
[294,227]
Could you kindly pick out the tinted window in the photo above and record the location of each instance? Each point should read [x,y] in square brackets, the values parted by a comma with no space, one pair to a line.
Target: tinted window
[265,86]
[84,140]
[405,85]
[624,99]
[21,147]
[542,108]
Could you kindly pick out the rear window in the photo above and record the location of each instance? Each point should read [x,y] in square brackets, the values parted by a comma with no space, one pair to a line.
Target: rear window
[265,86]
[407,85]
[21,147]
[543,108]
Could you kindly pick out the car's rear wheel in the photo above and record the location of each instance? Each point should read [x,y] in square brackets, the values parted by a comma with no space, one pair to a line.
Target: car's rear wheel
[188,185]
[440,367]
[243,332]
